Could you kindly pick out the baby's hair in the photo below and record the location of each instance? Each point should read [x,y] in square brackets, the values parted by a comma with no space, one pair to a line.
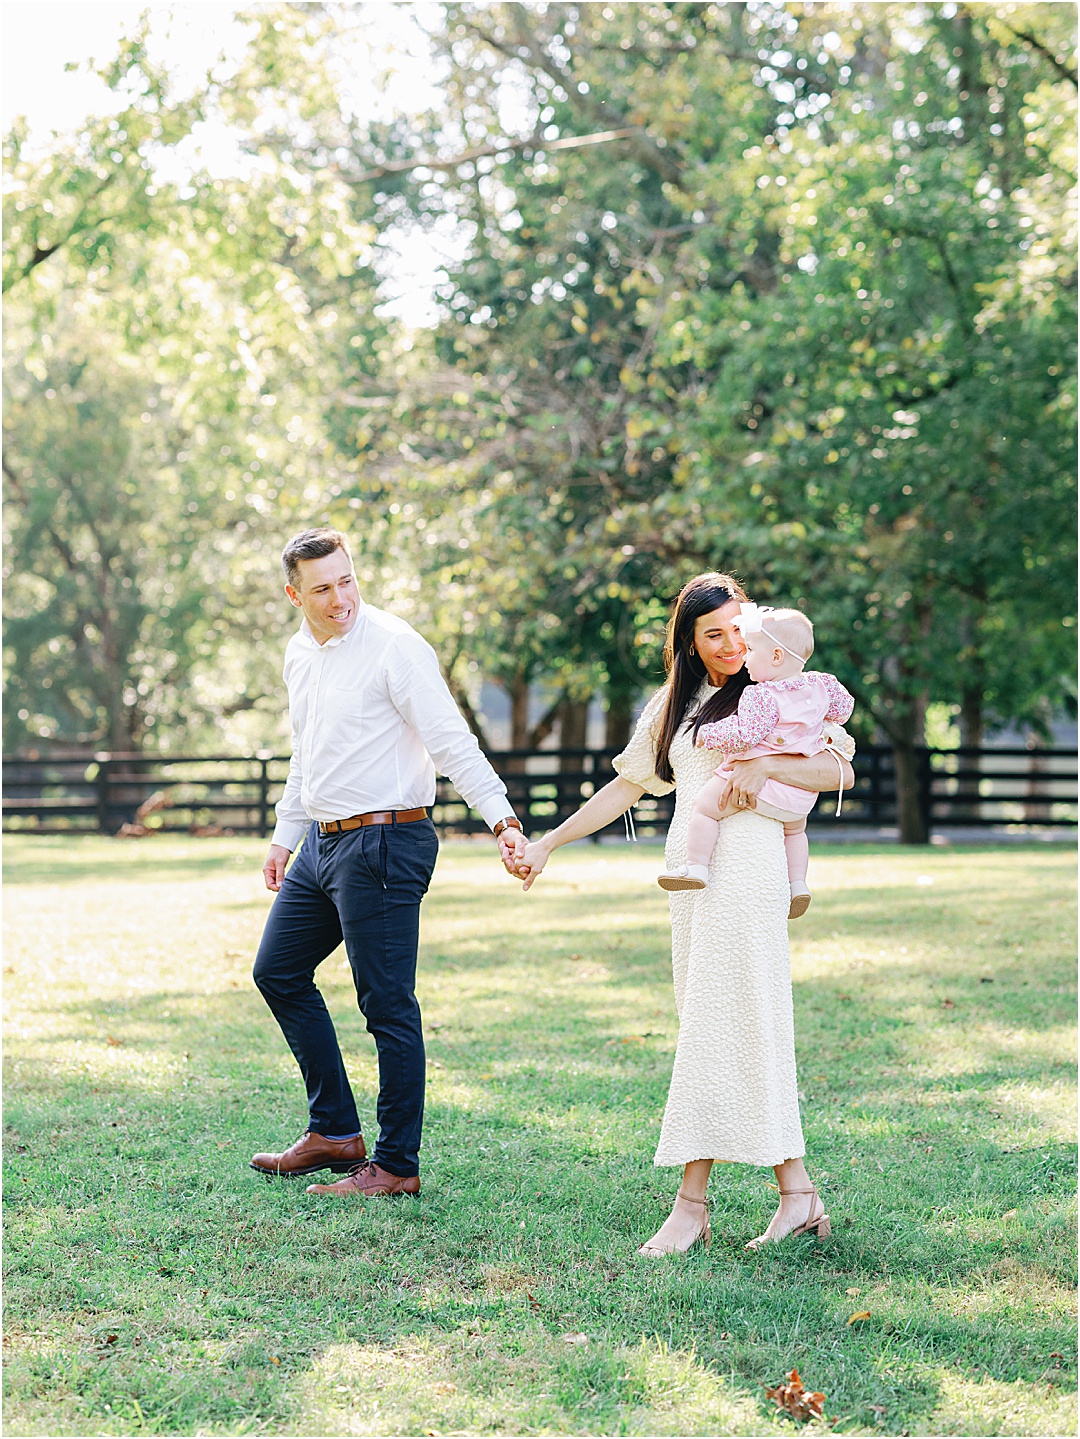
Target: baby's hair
[793,629]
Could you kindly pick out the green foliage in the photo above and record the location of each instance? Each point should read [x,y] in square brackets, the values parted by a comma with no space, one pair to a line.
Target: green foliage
[783,290]
[814,323]
[167,401]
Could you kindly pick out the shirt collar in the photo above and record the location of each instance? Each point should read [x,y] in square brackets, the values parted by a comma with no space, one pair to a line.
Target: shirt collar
[304,632]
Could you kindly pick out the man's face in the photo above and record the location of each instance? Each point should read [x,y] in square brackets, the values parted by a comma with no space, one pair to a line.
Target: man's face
[326,592]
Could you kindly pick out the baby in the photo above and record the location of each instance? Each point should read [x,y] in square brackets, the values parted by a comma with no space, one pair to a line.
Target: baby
[781,713]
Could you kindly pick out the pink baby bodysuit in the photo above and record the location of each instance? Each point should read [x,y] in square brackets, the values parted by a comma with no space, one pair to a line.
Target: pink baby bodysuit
[781,717]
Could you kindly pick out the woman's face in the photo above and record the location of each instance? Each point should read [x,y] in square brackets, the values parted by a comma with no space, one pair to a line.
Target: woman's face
[718,643]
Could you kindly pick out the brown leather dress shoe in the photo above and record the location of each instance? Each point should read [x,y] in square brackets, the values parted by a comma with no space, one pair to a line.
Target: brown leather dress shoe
[313,1152]
[369,1181]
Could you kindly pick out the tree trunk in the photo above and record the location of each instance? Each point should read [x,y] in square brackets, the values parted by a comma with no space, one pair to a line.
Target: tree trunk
[1036,809]
[519,720]
[472,719]
[574,717]
[971,737]
[620,708]
[971,717]
[911,816]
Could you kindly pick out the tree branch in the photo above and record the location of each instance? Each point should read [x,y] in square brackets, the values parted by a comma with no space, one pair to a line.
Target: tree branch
[546,723]
[479,152]
[79,224]
[1041,49]
[665,163]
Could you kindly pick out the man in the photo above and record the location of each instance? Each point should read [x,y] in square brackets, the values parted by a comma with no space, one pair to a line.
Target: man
[371,719]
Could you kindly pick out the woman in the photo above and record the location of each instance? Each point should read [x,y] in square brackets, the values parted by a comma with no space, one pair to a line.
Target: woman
[733,1094]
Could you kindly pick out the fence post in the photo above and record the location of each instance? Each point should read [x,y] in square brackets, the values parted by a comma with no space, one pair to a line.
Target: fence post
[103,775]
[264,797]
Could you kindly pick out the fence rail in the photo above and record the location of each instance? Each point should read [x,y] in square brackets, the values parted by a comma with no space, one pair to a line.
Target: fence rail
[211,794]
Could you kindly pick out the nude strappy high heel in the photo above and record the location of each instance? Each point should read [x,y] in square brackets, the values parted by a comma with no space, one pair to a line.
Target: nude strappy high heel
[821,1226]
[704,1237]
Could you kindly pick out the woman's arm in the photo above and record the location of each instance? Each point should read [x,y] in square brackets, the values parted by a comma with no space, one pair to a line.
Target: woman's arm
[605,805]
[818,773]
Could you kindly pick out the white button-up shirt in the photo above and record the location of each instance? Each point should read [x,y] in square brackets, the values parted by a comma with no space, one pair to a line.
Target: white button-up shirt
[372,718]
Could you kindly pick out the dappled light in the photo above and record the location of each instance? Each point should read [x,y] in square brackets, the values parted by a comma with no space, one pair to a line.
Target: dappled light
[143,1070]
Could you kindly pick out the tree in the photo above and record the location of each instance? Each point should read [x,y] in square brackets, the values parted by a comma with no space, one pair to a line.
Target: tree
[168,380]
[822,355]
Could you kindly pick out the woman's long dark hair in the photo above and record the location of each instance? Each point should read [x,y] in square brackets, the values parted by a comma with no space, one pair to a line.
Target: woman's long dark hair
[700,596]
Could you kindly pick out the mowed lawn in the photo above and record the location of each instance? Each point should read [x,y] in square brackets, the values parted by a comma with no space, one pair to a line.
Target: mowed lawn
[155,1284]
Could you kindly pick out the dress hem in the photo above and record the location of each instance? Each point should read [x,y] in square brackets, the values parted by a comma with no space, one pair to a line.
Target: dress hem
[727,1159]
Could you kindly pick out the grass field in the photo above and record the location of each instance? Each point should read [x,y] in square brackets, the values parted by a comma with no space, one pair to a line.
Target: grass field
[155,1284]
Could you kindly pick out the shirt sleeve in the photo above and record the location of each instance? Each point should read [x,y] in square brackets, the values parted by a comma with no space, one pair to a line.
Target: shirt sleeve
[423,699]
[753,722]
[292,818]
[841,701]
[637,762]
[838,739]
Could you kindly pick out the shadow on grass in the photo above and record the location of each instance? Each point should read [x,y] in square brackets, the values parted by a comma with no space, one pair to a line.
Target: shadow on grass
[133,1213]
[74,861]
[525,1232]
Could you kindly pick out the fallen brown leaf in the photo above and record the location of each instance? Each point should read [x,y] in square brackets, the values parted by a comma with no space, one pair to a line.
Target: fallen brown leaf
[948,1004]
[860,1314]
[795,1400]
[116,1043]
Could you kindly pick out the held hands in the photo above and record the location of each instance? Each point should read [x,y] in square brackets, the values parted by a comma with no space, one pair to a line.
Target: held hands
[274,868]
[511,845]
[520,858]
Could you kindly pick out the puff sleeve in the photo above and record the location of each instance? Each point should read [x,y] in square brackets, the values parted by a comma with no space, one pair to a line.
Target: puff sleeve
[637,763]
[838,739]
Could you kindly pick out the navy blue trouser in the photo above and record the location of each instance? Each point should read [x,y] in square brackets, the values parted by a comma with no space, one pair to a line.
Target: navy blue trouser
[363,886]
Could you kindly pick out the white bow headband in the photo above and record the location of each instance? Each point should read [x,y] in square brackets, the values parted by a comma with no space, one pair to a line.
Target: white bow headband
[751,621]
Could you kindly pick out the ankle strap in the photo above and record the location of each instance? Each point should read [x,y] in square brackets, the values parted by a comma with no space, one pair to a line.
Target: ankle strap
[688,1200]
[811,1190]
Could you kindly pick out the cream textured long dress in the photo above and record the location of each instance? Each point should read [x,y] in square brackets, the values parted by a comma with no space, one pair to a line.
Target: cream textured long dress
[733,1090]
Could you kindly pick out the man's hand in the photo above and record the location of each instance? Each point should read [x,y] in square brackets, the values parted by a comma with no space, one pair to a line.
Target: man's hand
[511,846]
[747,777]
[274,868]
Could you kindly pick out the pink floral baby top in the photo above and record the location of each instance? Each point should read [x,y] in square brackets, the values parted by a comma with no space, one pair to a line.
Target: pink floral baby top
[781,717]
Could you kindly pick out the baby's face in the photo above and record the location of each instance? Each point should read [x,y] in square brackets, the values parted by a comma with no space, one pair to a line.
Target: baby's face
[763,657]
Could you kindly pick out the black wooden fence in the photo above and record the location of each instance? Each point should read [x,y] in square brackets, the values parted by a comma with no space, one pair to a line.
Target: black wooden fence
[213,794]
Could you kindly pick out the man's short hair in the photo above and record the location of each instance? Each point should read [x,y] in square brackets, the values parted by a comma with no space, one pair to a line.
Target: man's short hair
[311,545]
[793,629]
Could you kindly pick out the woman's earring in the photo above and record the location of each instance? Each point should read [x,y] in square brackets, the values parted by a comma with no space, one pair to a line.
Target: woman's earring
[693,651]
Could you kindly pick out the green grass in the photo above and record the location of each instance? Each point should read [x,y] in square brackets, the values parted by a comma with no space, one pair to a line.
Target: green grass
[155,1284]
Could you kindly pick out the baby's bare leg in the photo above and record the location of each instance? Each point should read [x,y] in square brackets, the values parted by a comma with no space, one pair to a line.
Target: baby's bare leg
[706,816]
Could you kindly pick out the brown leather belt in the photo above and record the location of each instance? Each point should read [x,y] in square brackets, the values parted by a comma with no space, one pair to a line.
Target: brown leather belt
[377,816]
